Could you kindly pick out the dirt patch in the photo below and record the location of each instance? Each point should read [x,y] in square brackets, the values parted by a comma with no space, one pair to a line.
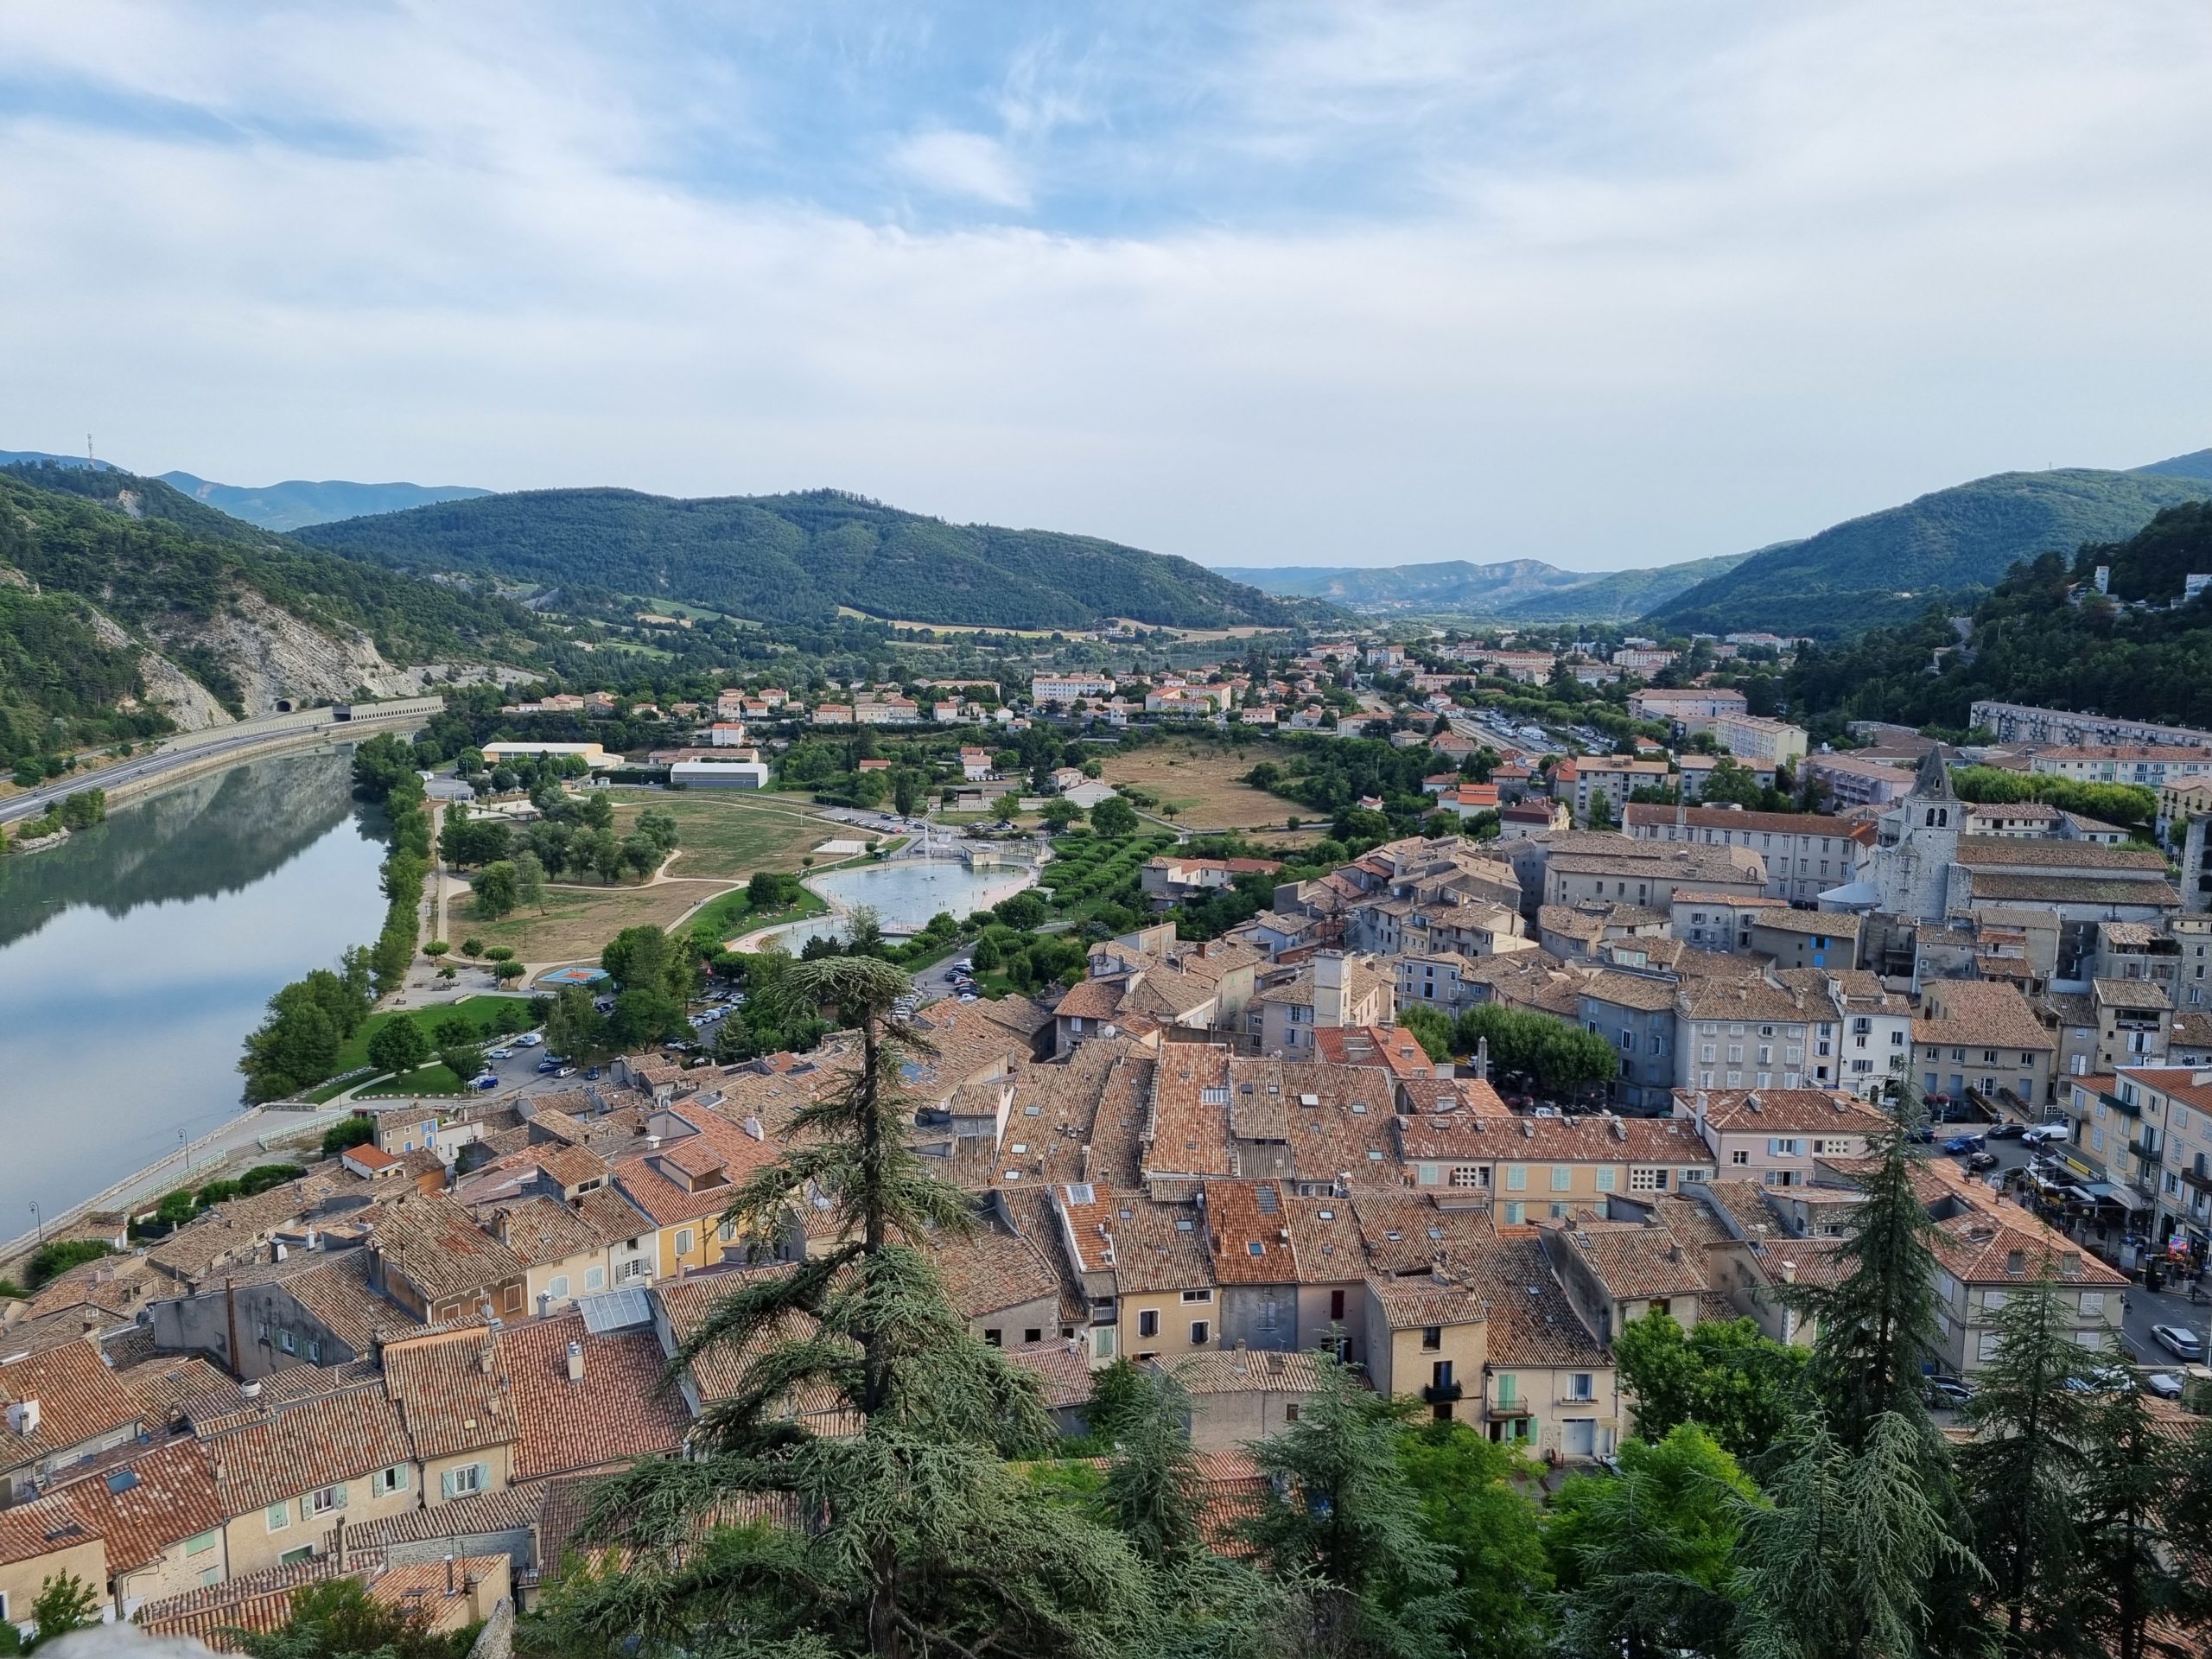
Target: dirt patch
[578,921]
[1200,781]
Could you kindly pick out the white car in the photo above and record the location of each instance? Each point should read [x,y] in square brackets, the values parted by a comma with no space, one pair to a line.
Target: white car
[2181,1343]
[501,1054]
[528,1040]
[2043,1134]
[2165,1384]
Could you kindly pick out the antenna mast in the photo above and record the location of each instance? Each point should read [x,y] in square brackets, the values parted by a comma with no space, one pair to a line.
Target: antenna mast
[90,459]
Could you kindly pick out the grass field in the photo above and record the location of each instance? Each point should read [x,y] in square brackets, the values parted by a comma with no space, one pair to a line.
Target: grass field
[726,833]
[576,921]
[732,915]
[479,1010]
[1199,780]
[435,1079]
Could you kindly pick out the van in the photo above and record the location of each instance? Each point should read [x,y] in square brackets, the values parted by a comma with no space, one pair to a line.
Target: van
[528,1040]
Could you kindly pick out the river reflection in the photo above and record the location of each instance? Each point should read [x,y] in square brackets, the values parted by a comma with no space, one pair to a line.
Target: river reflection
[135,957]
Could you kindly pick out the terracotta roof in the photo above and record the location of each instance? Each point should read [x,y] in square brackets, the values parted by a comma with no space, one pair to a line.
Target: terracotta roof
[451,1391]
[335,1290]
[992,1269]
[1157,1246]
[1413,1304]
[1630,991]
[1783,1111]
[1531,1322]
[2076,889]
[1840,924]
[162,1384]
[1244,1371]
[1634,1262]
[79,1400]
[541,1230]
[1247,1233]
[510,1509]
[1748,999]
[1601,1139]
[257,1603]
[438,1245]
[1061,1368]
[617,1411]
[39,1528]
[1981,1013]
[2031,852]
[2139,994]
[276,1454]
[1729,818]
[144,1503]
[1396,1049]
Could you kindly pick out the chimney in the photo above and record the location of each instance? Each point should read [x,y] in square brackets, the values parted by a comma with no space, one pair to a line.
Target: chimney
[1482,1059]
[23,1417]
[338,1544]
[1328,988]
[451,1587]
[575,1361]
[250,1390]
[1701,1114]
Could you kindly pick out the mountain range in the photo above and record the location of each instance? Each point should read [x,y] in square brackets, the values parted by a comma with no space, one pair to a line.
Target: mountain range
[798,558]
[1518,590]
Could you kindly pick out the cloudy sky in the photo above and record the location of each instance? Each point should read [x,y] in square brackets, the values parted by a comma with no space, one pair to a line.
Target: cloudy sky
[1606,284]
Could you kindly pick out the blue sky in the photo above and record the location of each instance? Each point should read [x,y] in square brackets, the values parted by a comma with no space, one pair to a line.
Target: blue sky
[1606,284]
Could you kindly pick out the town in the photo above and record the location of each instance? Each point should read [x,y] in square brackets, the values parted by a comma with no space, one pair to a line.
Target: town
[1457,1112]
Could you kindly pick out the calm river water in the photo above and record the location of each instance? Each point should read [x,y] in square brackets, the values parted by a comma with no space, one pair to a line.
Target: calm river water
[135,957]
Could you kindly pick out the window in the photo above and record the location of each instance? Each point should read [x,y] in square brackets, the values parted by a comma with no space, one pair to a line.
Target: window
[1033,1335]
[468,1478]
[290,1557]
[1213,1097]
[279,1517]
[1987,1347]
[1514,1214]
[1604,1177]
[994,1338]
[210,1577]
[1993,1299]
[200,1545]
[1149,1323]
[1201,1333]
[683,1241]
[1517,1177]
[386,1482]
[285,1341]
[1508,1389]
[594,1278]
[1198,1295]
[1471,1175]
[1647,1180]
[323,1501]
[558,1288]
[2093,1304]
[1432,1337]
[1562,1177]
[1580,1385]
[1290,1414]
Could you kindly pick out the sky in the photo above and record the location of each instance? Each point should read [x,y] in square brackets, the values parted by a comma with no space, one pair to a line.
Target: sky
[1281,284]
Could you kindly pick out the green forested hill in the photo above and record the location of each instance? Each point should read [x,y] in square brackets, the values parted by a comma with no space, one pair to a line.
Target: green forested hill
[104,575]
[2031,642]
[798,558]
[1884,569]
[297,502]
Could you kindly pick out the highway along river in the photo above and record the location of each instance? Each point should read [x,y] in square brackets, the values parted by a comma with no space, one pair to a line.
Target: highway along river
[135,957]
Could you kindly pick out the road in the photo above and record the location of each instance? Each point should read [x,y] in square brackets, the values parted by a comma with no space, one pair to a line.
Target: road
[32,802]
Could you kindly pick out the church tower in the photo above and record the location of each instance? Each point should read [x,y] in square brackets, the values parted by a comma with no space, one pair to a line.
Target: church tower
[1919,843]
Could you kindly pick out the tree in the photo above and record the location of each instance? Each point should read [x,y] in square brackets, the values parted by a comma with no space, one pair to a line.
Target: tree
[460,1046]
[2022,1474]
[1645,1560]
[398,1046]
[1470,1491]
[435,949]
[1113,817]
[337,1618]
[472,948]
[1340,1516]
[56,1256]
[1152,1485]
[575,1028]
[1060,813]
[1430,1029]
[1838,1566]
[355,1131]
[920,1538]
[905,791]
[65,1603]
[2136,1592]
[495,890]
[530,880]
[1743,1388]
[507,972]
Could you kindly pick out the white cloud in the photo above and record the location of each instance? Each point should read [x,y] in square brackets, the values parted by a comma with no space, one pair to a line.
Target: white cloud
[966,165]
[1636,295]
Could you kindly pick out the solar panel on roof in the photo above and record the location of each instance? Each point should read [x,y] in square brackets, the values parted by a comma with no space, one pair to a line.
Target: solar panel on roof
[122,1480]
[614,1310]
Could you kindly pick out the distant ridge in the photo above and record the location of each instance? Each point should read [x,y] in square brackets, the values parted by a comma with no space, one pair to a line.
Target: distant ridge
[297,503]
[1527,590]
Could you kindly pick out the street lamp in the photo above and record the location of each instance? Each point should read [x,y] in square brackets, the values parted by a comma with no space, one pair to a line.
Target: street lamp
[41,1220]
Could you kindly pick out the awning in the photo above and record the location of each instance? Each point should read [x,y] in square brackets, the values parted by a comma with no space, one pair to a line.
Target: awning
[2105,1192]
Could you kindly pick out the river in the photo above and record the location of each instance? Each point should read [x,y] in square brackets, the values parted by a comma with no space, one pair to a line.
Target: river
[135,957]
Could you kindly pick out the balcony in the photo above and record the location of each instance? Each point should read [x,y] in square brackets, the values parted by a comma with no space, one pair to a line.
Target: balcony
[1441,1393]
[2121,1106]
[2147,1154]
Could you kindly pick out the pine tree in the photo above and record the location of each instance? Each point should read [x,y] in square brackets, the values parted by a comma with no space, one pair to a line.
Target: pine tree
[1877,1324]
[2023,1474]
[2134,1599]
[919,1538]
[1152,1485]
[1837,1565]
[1342,1523]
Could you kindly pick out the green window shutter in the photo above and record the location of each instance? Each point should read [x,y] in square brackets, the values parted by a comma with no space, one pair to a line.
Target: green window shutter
[445,1484]
[306,1512]
[343,1489]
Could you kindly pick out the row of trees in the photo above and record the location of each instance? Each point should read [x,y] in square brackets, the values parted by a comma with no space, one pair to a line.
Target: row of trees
[1557,1057]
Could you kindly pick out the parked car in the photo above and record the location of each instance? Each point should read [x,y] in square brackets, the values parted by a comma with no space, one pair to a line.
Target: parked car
[1980,1160]
[2182,1344]
[528,1040]
[2043,1134]
[548,1064]
[1964,1143]
[1948,1393]
[2007,1131]
[2165,1384]
[566,1071]
[484,1080]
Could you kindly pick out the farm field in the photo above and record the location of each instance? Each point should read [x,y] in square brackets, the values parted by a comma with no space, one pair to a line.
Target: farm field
[1200,781]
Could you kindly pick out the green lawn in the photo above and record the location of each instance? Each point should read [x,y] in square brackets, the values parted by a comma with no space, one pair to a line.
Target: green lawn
[435,1079]
[732,914]
[480,1010]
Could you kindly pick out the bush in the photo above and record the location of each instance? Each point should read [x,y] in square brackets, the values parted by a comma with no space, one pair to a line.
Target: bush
[60,1255]
[357,1130]
[261,1177]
